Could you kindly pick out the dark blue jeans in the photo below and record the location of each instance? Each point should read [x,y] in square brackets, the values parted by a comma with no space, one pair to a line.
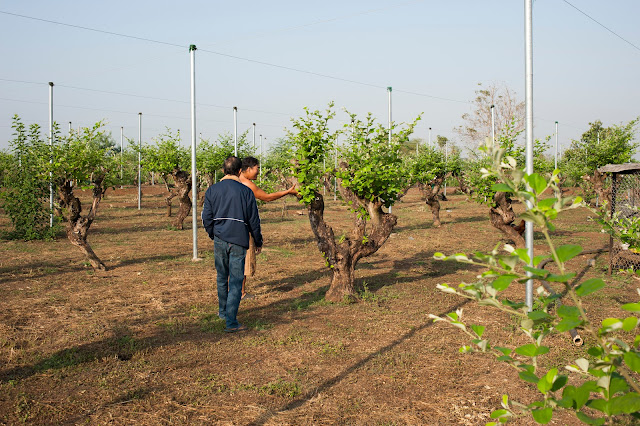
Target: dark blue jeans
[230,273]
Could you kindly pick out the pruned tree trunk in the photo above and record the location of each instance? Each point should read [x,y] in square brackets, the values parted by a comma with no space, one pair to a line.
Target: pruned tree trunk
[77,226]
[430,192]
[502,216]
[183,185]
[342,256]
[598,181]
[171,194]
[209,178]
[462,184]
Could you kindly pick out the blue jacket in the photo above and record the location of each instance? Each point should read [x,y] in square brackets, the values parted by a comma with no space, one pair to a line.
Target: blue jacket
[230,213]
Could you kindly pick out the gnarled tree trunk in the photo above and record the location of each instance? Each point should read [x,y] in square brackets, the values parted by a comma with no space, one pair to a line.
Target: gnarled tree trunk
[168,199]
[183,185]
[430,193]
[343,256]
[502,216]
[598,182]
[77,226]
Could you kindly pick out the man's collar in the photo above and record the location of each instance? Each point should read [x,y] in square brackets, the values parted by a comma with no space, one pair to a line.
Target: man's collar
[232,177]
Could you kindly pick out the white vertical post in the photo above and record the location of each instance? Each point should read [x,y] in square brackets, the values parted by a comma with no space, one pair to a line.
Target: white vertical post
[324,168]
[69,128]
[389,92]
[335,178]
[493,125]
[139,158]
[430,137]
[51,153]
[528,25]
[260,147]
[194,174]
[446,159]
[235,131]
[254,137]
[121,151]
[556,156]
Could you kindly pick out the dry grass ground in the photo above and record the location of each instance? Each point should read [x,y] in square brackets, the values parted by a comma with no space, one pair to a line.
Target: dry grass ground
[142,342]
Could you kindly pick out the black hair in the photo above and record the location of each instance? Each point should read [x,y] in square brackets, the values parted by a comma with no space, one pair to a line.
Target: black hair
[232,166]
[249,162]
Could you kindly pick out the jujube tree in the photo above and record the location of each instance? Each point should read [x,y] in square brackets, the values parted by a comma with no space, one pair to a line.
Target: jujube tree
[370,175]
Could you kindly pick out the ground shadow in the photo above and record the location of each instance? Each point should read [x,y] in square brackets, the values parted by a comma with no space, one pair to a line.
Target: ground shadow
[264,418]
[50,269]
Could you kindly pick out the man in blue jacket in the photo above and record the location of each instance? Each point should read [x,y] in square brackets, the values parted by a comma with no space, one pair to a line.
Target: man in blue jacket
[229,215]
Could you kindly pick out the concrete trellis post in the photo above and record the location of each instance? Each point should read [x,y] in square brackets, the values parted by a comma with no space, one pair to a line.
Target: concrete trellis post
[528,25]
[51,153]
[139,159]
[194,172]
[235,131]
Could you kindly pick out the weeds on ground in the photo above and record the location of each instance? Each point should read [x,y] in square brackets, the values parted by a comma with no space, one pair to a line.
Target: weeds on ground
[282,388]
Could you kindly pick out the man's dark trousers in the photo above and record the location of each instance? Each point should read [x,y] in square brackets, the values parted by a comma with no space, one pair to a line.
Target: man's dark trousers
[229,260]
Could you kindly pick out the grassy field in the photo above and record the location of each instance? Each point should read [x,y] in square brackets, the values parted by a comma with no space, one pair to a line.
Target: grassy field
[142,342]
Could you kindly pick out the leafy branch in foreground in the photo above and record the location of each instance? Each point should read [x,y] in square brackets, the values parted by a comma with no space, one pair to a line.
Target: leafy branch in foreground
[606,379]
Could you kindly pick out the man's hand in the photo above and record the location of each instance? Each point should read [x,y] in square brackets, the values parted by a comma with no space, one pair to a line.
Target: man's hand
[292,190]
[258,250]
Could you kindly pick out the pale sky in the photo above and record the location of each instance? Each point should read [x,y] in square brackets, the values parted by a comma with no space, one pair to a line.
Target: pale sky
[433,54]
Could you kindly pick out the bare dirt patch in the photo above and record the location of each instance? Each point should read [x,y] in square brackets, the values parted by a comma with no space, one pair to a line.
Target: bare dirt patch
[142,342]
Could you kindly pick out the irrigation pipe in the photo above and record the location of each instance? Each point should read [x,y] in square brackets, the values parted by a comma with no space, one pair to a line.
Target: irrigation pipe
[577,340]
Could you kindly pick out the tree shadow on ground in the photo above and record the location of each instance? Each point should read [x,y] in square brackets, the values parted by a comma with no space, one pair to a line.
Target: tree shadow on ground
[328,384]
[434,269]
[207,327]
[49,269]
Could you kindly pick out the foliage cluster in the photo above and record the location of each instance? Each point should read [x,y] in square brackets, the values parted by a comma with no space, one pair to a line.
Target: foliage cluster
[597,147]
[624,227]
[25,190]
[371,165]
[312,141]
[605,379]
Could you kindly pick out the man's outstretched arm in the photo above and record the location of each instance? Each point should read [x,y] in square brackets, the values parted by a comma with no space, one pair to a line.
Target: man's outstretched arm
[266,197]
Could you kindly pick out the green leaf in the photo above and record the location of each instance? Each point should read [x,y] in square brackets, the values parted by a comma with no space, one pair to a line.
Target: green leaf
[559,383]
[502,282]
[523,255]
[589,286]
[544,385]
[567,324]
[565,311]
[560,278]
[547,203]
[528,377]
[611,323]
[632,359]
[536,271]
[542,415]
[501,187]
[632,307]
[568,251]
[478,329]
[505,351]
[595,351]
[538,315]
[527,350]
[627,404]
[498,413]
[536,182]
[629,323]
[618,384]
[600,405]
[588,420]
